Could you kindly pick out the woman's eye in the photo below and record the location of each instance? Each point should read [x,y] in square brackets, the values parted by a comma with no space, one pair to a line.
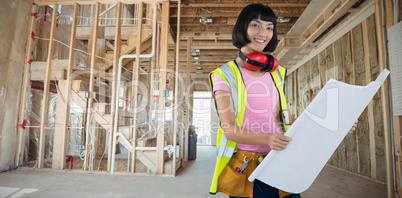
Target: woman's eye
[254,25]
[270,28]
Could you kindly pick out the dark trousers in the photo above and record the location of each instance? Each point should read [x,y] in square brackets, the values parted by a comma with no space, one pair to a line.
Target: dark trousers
[262,190]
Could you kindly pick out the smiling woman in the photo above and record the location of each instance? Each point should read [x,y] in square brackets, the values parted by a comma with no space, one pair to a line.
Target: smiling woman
[248,93]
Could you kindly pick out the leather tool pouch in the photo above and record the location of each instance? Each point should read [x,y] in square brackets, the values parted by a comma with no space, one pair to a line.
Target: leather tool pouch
[232,181]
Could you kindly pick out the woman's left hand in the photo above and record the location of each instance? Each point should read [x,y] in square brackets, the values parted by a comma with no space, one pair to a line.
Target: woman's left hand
[353,127]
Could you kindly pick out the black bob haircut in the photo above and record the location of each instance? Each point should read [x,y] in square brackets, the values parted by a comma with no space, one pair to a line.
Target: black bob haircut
[249,13]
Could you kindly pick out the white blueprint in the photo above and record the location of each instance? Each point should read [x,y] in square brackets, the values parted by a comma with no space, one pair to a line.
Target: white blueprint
[315,135]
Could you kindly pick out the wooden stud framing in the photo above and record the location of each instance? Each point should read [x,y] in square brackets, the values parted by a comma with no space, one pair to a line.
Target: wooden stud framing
[341,10]
[59,137]
[384,95]
[135,83]
[370,106]
[60,140]
[188,102]
[91,2]
[21,114]
[162,85]
[91,85]
[176,89]
[46,83]
[116,55]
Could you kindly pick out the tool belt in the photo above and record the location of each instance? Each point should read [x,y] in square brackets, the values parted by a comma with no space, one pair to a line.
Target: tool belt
[232,181]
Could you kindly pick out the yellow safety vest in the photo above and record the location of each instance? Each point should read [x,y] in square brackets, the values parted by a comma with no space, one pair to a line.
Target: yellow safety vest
[231,74]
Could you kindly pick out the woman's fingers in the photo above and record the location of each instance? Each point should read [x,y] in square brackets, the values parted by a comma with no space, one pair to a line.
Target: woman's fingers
[354,126]
[280,142]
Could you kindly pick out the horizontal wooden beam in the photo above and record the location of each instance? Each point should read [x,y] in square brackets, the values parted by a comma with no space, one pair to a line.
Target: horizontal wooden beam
[237,5]
[329,20]
[231,12]
[90,2]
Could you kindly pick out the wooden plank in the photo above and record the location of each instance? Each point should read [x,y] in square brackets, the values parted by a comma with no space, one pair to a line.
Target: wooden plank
[46,83]
[396,120]
[90,2]
[384,96]
[370,106]
[108,10]
[235,5]
[116,55]
[339,12]
[91,86]
[135,81]
[186,139]
[162,85]
[353,81]
[58,159]
[39,75]
[57,64]
[350,140]
[63,116]
[19,154]
[176,90]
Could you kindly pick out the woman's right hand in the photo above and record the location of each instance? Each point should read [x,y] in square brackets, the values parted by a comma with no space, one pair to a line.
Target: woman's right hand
[277,141]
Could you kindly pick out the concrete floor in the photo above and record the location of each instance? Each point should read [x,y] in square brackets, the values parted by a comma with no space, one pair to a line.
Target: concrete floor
[191,181]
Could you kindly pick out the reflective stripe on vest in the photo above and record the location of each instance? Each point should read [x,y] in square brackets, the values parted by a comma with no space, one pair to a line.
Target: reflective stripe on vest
[231,74]
[279,78]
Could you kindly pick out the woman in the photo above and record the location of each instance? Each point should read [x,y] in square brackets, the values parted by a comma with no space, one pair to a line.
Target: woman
[251,106]
[250,100]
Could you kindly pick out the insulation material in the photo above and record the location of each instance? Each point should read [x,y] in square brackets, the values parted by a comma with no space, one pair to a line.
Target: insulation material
[33,111]
[62,37]
[75,130]
[362,132]
[350,140]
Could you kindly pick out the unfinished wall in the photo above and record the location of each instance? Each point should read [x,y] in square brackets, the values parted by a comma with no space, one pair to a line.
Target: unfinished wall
[13,28]
[351,61]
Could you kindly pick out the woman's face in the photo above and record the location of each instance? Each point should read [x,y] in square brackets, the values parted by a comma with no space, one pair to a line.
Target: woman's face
[259,33]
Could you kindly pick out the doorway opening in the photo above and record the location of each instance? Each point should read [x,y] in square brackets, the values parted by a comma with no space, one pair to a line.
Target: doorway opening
[202,116]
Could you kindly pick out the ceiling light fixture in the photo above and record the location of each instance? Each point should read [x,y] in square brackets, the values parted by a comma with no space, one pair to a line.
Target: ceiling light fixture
[283,19]
[205,20]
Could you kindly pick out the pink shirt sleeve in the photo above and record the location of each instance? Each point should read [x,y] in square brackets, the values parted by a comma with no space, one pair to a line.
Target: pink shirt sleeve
[220,84]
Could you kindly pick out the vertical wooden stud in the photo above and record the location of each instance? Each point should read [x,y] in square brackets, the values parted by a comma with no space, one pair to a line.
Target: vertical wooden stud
[46,83]
[60,137]
[91,85]
[176,88]
[116,55]
[188,98]
[370,105]
[162,85]
[24,89]
[135,79]
[384,95]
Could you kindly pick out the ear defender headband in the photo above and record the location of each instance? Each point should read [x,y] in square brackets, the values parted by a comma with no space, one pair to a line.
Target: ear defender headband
[259,61]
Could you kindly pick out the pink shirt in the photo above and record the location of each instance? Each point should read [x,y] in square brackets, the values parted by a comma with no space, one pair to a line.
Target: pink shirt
[261,109]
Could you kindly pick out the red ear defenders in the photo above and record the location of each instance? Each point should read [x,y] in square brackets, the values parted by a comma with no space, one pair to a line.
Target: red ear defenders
[259,61]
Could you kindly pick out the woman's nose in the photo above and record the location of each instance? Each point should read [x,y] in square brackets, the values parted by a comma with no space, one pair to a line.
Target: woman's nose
[262,32]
